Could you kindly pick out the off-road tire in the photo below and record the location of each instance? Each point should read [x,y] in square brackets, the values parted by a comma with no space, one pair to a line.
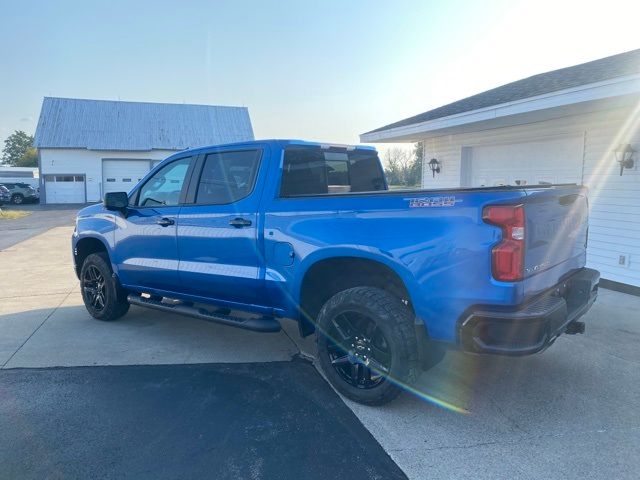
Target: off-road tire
[396,322]
[115,298]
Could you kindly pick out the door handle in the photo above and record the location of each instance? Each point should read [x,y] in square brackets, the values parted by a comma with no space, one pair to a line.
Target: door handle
[165,222]
[240,222]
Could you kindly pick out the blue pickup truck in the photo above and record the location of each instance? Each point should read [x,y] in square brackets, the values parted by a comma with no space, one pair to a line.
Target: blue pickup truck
[387,279]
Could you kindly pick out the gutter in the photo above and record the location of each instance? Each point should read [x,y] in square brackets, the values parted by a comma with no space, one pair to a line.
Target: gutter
[619,86]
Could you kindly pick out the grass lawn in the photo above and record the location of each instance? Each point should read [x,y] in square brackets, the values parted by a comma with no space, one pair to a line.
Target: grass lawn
[12,214]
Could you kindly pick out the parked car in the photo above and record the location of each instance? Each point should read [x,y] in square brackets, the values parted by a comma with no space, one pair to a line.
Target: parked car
[21,192]
[5,196]
[301,230]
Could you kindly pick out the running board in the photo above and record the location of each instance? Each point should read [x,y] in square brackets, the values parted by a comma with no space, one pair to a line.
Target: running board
[257,324]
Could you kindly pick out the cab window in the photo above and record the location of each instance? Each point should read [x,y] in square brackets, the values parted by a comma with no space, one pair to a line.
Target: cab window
[227,177]
[164,187]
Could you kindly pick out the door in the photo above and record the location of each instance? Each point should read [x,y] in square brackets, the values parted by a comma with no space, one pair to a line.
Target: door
[146,250]
[122,175]
[64,188]
[557,160]
[217,235]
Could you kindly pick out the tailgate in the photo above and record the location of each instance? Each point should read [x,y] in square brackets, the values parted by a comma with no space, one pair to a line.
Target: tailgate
[556,229]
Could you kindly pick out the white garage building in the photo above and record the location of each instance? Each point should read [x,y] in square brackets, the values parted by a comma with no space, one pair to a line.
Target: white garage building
[89,147]
[566,126]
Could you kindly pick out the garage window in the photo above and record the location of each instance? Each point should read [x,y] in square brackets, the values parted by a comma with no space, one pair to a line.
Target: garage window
[63,178]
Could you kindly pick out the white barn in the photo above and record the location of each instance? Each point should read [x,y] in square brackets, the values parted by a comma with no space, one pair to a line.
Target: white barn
[89,147]
[566,126]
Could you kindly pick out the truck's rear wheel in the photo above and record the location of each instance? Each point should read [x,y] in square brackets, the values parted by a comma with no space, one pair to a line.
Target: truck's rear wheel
[101,292]
[366,344]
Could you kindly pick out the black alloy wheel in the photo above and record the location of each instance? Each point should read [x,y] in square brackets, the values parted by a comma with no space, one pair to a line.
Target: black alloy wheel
[366,343]
[358,350]
[93,284]
[102,293]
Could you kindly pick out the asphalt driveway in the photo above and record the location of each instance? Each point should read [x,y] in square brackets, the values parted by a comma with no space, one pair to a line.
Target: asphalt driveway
[40,219]
[225,421]
[570,412]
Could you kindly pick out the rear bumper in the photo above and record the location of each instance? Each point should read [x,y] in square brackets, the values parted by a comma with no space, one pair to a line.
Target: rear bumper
[532,327]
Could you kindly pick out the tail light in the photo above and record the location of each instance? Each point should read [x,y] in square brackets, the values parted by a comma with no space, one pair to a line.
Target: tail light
[507,257]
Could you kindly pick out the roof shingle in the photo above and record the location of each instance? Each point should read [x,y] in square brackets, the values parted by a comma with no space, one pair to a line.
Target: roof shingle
[570,77]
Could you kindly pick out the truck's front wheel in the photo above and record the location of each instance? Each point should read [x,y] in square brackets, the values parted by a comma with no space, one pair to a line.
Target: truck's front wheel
[101,292]
[366,344]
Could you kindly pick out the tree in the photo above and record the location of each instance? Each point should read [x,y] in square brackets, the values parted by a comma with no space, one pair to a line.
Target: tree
[416,166]
[402,167]
[18,150]
[29,159]
[392,169]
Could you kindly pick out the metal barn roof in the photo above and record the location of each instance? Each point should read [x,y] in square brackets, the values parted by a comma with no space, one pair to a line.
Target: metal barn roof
[116,125]
[627,63]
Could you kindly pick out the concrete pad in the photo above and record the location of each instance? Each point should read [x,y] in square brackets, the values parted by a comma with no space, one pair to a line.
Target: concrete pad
[20,317]
[41,219]
[570,412]
[71,337]
[40,265]
[521,411]
[584,456]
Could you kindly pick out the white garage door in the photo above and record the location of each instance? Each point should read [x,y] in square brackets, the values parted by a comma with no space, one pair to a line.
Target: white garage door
[122,175]
[64,188]
[556,160]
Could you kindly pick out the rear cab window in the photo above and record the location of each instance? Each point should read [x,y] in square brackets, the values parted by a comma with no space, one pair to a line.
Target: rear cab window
[319,171]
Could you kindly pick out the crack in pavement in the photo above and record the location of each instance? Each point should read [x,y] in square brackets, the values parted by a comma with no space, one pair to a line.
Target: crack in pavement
[504,414]
[295,345]
[519,440]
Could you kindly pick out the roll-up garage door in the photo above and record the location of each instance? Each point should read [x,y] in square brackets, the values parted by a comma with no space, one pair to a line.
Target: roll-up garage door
[557,160]
[64,188]
[122,175]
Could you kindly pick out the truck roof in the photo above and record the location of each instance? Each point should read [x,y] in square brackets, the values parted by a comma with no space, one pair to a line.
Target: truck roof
[278,142]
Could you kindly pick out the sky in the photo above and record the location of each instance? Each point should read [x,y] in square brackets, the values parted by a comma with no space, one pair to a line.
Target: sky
[325,70]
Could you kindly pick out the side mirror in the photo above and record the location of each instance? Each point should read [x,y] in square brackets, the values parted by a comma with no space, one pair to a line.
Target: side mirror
[116,200]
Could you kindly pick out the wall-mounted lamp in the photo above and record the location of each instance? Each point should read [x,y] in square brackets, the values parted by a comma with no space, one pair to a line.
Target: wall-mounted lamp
[434,165]
[624,156]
